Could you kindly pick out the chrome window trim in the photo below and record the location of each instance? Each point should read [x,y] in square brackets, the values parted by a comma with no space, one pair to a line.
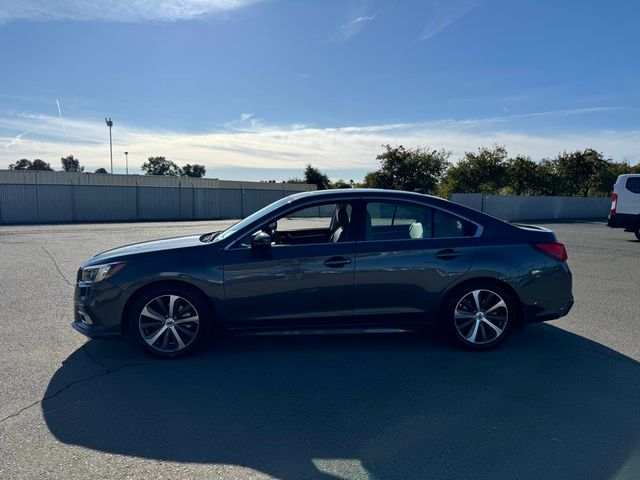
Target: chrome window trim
[301,245]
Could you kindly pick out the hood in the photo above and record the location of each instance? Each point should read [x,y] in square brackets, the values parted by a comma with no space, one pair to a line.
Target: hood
[145,247]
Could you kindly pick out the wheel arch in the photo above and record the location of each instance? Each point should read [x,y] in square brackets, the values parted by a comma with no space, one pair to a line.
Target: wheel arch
[143,289]
[485,281]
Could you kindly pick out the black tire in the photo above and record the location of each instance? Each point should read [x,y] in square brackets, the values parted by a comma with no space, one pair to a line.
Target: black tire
[170,314]
[637,231]
[462,317]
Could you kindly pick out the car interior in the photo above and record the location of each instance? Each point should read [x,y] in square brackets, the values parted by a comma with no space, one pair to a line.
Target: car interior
[397,221]
[333,225]
[383,221]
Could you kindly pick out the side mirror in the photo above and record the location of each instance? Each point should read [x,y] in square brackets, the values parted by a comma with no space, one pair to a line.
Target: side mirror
[261,242]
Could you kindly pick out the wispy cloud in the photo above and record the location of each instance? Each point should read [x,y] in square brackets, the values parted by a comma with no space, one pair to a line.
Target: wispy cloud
[61,119]
[486,121]
[129,11]
[22,98]
[338,149]
[246,122]
[516,97]
[18,138]
[352,28]
[445,14]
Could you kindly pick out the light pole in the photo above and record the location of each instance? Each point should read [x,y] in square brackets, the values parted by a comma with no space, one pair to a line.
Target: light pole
[126,161]
[109,123]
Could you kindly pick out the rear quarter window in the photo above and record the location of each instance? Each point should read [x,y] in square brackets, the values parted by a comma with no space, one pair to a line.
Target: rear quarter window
[633,184]
[446,225]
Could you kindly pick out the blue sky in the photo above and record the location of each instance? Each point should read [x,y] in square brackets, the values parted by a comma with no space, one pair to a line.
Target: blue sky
[257,89]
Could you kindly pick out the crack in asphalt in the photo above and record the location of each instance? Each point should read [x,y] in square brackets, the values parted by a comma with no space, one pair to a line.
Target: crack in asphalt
[56,265]
[107,371]
[110,370]
[92,358]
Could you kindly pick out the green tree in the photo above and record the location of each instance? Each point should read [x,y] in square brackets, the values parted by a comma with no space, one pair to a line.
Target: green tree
[548,181]
[294,180]
[408,169]
[606,177]
[485,172]
[577,171]
[101,170]
[22,164]
[340,183]
[375,179]
[315,177]
[195,170]
[70,164]
[522,175]
[38,164]
[160,166]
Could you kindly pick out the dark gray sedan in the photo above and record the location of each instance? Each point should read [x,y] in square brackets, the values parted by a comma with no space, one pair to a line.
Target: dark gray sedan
[338,259]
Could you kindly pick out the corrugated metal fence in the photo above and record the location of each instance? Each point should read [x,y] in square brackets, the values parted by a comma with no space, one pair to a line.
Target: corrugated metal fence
[521,207]
[46,197]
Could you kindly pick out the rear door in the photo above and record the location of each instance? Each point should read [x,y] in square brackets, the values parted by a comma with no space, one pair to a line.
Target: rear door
[410,254]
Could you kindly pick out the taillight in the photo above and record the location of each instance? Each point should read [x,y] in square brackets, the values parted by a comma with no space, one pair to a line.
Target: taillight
[554,250]
[614,203]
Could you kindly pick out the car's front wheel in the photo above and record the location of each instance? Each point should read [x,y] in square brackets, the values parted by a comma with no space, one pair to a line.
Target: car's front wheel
[481,316]
[637,231]
[169,322]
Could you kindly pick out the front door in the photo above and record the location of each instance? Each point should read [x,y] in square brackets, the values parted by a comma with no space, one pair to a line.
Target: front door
[305,278]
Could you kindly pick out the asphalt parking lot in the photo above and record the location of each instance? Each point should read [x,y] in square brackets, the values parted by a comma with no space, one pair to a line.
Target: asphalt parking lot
[559,400]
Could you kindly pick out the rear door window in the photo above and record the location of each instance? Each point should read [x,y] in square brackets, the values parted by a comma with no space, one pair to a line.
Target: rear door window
[633,184]
[403,221]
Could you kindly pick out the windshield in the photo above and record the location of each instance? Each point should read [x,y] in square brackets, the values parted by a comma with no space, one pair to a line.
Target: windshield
[250,219]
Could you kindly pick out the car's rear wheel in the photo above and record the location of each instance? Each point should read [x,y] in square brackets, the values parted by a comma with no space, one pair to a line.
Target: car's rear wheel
[169,322]
[481,316]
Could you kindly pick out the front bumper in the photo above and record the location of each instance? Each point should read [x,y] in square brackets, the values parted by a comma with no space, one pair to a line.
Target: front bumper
[97,311]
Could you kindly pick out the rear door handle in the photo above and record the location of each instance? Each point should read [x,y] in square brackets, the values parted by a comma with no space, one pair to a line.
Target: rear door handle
[447,254]
[337,262]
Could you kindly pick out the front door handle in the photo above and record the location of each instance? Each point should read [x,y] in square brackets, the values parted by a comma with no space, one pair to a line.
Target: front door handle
[447,254]
[337,262]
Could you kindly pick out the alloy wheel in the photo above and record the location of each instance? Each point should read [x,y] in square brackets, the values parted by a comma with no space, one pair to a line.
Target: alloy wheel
[169,323]
[481,317]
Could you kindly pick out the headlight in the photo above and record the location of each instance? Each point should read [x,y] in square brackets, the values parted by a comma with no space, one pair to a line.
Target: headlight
[98,273]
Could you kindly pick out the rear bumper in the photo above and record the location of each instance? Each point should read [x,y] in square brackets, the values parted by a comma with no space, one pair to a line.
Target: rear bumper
[623,220]
[535,315]
[548,296]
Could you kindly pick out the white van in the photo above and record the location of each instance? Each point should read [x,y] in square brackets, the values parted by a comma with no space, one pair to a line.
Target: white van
[625,204]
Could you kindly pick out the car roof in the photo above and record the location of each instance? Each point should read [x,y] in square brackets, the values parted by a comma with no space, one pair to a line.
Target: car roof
[363,192]
[375,193]
[627,175]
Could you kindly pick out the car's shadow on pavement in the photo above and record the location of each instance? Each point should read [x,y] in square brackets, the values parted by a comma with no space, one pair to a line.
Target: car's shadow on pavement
[547,404]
